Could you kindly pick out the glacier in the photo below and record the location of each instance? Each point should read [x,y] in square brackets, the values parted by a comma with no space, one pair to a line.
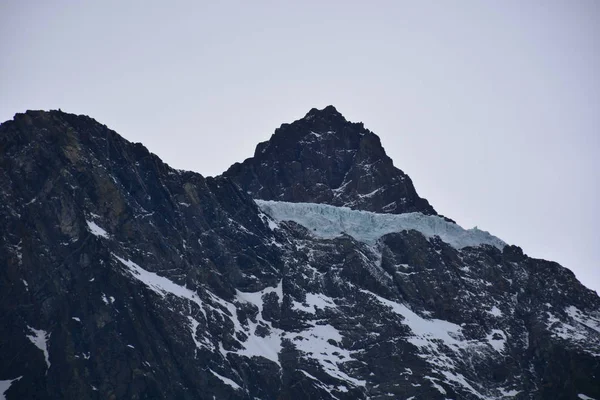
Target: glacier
[328,222]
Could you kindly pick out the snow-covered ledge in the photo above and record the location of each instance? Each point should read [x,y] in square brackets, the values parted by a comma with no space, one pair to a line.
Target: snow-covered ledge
[328,222]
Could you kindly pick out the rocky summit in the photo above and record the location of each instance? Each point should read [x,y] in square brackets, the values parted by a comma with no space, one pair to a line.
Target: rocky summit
[312,270]
[322,158]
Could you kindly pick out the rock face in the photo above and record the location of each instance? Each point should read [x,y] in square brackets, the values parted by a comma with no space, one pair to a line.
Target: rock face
[124,278]
[322,158]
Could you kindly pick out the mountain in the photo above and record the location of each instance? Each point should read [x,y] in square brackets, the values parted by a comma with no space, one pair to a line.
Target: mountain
[322,158]
[121,277]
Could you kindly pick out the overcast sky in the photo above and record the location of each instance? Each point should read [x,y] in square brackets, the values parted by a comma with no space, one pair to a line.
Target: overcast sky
[493,108]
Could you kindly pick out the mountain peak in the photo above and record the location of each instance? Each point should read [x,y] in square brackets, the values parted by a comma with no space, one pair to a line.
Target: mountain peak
[323,158]
[329,111]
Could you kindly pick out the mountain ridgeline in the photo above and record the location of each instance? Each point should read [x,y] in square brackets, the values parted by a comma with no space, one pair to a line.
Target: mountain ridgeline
[322,158]
[312,270]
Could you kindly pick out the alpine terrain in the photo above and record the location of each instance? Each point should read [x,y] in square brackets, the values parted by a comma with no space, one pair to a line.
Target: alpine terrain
[312,270]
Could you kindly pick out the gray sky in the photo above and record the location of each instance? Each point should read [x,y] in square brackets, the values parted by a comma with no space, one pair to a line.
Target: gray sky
[493,108]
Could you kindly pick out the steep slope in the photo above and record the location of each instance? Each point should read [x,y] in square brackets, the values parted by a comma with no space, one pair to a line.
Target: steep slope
[79,206]
[124,278]
[323,158]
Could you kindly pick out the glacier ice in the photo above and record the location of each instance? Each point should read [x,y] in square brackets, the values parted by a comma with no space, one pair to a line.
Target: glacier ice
[329,222]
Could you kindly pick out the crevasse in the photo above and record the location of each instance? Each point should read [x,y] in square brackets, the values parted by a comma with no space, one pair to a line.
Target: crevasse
[328,222]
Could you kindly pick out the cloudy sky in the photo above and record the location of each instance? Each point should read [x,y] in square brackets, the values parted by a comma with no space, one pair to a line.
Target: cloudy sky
[493,108]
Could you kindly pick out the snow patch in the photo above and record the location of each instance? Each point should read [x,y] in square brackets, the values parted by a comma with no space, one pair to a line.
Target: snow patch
[203,343]
[5,385]
[509,393]
[462,381]
[320,384]
[434,337]
[40,340]
[270,223]
[107,300]
[159,284]
[581,329]
[425,331]
[96,230]
[370,194]
[226,381]
[318,342]
[495,311]
[256,345]
[329,222]
[497,339]
[586,320]
[584,397]
[328,388]
[435,385]
[268,346]
[314,301]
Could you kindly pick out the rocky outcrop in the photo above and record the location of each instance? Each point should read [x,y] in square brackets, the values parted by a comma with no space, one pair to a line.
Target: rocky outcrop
[121,277]
[323,158]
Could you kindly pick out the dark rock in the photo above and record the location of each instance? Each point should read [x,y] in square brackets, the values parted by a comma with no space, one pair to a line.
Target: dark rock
[323,158]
